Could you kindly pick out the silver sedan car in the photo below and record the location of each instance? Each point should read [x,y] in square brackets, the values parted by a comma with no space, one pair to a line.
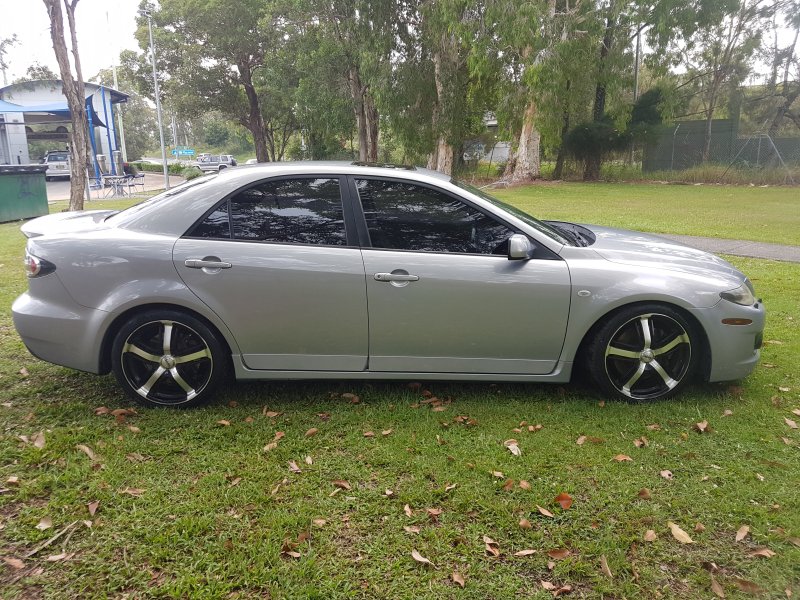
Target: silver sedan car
[344,271]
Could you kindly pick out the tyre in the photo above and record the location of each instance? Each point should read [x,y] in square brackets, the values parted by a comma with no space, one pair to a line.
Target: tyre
[644,352]
[168,358]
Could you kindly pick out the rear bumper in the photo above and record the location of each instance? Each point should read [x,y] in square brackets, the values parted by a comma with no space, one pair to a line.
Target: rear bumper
[64,333]
[735,349]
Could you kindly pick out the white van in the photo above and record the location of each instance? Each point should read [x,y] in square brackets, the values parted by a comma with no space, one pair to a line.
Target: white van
[57,162]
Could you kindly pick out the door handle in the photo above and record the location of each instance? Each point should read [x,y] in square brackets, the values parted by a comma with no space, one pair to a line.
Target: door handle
[202,263]
[395,277]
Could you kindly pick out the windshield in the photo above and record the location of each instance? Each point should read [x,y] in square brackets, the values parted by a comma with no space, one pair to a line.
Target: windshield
[61,157]
[544,228]
[187,185]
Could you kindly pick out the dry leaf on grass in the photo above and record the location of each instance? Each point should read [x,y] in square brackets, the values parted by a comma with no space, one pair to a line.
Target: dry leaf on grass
[641,442]
[559,553]
[87,451]
[419,558]
[742,532]
[605,568]
[699,527]
[513,447]
[458,578]
[14,563]
[450,487]
[719,592]
[342,484]
[369,434]
[702,427]
[45,523]
[508,485]
[386,432]
[319,522]
[135,492]
[786,420]
[498,474]
[763,552]
[564,500]
[311,432]
[524,484]
[293,467]
[650,536]
[728,412]
[492,547]
[544,511]
[408,511]
[39,442]
[748,587]
[92,507]
[223,422]
[525,524]
[581,440]
[309,461]
[644,494]
[623,458]
[666,474]
[526,552]
[411,528]
[679,534]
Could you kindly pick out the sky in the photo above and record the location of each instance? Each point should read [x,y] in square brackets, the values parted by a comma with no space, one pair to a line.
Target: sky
[99,42]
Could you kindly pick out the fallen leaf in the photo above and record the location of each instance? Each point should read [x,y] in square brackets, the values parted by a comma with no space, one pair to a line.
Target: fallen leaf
[701,427]
[650,536]
[369,434]
[513,447]
[92,507]
[24,372]
[45,523]
[742,532]
[38,440]
[223,422]
[644,494]
[249,419]
[719,592]
[293,467]
[524,484]
[270,413]
[439,408]
[641,442]
[87,451]
[544,511]
[58,557]
[526,552]
[786,420]
[351,397]
[728,412]
[341,483]
[408,511]
[564,500]
[491,546]
[784,389]
[101,410]
[796,411]
[388,493]
[605,568]
[319,522]
[559,553]
[525,524]
[623,458]
[434,513]
[135,492]
[547,585]
[234,481]
[14,563]
[411,528]
[134,429]
[654,427]
[748,587]
[762,552]
[386,432]
[136,457]
[786,441]
[580,441]
[498,474]
[679,534]
[699,527]
[458,578]
[419,558]
[509,485]
[270,446]
[666,474]
[311,432]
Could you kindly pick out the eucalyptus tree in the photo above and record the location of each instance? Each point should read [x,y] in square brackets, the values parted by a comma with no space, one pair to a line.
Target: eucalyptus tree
[784,82]
[213,51]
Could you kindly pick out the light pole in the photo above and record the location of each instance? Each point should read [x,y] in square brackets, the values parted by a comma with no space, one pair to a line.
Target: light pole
[149,16]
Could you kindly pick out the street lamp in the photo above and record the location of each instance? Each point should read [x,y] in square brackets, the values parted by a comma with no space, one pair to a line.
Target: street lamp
[148,14]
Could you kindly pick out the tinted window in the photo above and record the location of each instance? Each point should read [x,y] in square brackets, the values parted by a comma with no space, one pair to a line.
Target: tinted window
[215,225]
[403,216]
[294,211]
[58,157]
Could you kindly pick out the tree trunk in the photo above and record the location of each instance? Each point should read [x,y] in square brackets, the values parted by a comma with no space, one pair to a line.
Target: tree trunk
[445,155]
[372,122]
[558,172]
[444,151]
[360,111]
[255,120]
[707,136]
[591,171]
[527,165]
[433,158]
[75,92]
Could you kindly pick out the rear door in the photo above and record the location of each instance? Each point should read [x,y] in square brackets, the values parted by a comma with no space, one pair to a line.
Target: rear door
[443,296]
[278,263]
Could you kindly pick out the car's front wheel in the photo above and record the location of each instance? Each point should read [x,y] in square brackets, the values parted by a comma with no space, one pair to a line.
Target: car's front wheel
[168,358]
[644,352]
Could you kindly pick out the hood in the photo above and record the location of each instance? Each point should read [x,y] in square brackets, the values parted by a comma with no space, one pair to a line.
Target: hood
[66,222]
[646,250]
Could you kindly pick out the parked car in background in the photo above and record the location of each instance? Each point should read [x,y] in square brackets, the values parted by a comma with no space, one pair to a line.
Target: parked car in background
[211,163]
[58,164]
[352,271]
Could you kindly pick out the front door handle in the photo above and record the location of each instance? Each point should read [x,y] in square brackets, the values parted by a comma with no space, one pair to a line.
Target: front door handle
[405,277]
[209,262]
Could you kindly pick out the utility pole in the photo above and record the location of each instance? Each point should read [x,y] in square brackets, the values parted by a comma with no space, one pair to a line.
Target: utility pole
[149,16]
[120,125]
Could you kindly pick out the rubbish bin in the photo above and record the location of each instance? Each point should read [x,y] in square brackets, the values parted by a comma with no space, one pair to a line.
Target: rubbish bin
[23,192]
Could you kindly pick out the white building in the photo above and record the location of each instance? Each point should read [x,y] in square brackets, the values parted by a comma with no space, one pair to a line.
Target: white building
[42,104]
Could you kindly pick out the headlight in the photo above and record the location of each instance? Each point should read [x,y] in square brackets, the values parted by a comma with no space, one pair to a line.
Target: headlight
[742,295]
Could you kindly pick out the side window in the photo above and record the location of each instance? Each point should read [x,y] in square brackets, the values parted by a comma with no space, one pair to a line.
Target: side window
[291,211]
[404,216]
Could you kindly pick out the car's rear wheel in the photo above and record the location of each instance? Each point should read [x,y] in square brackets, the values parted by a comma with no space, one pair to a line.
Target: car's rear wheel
[643,353]
[168,358]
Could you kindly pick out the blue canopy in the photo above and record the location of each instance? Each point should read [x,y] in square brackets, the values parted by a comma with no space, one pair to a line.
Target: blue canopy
[52,108]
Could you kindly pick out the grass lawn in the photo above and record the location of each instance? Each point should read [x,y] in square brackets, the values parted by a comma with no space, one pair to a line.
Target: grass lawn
[190,504]
[736,212]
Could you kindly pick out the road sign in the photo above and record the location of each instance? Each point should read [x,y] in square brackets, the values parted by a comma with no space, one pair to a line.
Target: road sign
[182,151]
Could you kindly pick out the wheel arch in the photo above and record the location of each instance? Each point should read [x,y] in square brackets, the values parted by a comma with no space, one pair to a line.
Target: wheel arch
[704,366]
[119,320]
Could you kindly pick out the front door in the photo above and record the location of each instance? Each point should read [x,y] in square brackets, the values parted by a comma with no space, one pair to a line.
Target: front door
[443,296]
[273,262]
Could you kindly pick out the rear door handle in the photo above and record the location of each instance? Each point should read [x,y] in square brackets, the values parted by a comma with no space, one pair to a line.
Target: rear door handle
[395,277]
[203,263]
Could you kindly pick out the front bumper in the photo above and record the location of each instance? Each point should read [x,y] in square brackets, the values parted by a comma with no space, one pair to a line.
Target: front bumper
[735,349]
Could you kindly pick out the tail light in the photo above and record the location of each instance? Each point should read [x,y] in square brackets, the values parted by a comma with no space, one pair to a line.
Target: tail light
[37,267]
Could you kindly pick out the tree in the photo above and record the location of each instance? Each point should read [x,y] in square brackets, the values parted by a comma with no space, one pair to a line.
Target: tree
[784,83]
[37,72]
[5,44]
[75,92]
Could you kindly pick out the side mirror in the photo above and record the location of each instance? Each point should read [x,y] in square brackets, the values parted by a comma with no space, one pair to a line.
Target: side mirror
[519,247]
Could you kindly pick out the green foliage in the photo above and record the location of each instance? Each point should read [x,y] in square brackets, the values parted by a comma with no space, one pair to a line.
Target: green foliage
[596,138]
